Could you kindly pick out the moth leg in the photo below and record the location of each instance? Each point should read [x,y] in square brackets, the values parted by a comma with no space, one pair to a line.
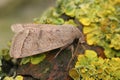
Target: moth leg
[74,53]
[71,48]
[62,48]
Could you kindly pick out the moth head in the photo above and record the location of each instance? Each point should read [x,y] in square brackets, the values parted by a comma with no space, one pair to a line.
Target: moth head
[16,28]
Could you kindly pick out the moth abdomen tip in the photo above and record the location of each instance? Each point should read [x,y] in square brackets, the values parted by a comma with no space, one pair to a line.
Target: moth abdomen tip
[17,28]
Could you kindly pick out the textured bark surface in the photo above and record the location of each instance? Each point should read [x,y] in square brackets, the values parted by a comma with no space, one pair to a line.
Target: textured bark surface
[50,69]
[54,68]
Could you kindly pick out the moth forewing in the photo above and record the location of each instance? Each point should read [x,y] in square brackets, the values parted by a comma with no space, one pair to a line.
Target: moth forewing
[16,28]
[42,38]
[17,43]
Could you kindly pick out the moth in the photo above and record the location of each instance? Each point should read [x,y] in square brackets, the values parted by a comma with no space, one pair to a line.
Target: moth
[32,39]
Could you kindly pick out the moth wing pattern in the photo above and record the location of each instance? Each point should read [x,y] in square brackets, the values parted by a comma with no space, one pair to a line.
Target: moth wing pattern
[17,43]
[43,38]
[16,28]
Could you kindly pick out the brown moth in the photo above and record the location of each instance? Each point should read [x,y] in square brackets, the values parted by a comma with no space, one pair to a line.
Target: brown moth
[32,39]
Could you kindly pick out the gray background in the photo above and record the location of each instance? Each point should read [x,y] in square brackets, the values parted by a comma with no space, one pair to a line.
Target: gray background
[19,11]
